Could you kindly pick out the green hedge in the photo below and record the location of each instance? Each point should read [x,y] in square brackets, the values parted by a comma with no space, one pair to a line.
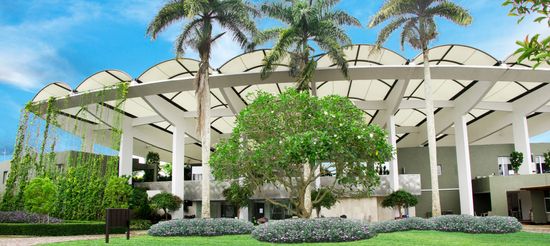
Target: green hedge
[63,229]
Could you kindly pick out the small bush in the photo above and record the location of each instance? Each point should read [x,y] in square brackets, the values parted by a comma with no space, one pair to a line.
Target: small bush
[201,227]
[471,224]
[62,229]
[451,223]
[25,217]
[311,230]
[140,224]
[413,223]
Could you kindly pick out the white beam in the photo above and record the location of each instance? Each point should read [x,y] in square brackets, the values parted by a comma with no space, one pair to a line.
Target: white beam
[418,104]
[233,100]
[392,102]
[147,120]
[459,72]
[370,105]
[535,100]
[463,166]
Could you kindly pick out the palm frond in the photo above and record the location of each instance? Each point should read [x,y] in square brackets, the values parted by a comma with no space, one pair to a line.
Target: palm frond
[343,18]
[279,51]
[391,9]
[452,12]
[168,14]
[186,35]
[277,10]
[388,29]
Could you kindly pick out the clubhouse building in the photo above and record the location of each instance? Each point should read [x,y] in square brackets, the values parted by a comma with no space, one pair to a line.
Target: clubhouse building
[485,109]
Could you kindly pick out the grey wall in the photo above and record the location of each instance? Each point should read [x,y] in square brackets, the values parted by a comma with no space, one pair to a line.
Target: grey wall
[483,160]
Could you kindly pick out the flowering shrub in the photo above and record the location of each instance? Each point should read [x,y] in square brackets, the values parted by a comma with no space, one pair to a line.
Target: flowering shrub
[25,217]
[413,223]
[471,224]
[451,223]
[311,230]
[201,227]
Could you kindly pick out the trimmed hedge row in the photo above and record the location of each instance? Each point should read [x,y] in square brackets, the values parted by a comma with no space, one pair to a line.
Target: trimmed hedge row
[451,223]
[26,217]
[62,229]
[201,227]
[312,230]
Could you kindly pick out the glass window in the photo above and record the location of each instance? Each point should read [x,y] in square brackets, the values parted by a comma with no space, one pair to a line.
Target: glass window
[504,166]
[547,200]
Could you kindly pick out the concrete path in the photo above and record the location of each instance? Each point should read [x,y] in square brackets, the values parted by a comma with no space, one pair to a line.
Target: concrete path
[24,240]
[537,228]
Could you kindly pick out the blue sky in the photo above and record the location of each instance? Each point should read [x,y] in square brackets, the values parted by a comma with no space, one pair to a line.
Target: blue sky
[45,41]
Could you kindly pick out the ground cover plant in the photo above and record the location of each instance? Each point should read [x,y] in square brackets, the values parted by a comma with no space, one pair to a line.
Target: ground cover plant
[26,217]
[312,230]
[201,227]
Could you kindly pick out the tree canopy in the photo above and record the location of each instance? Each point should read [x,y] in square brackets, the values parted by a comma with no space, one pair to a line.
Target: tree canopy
[400,199]
[276,135]
[325,199]
[40,195]
[166,202]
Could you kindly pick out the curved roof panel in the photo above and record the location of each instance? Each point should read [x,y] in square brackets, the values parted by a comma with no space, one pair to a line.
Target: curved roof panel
[56,89]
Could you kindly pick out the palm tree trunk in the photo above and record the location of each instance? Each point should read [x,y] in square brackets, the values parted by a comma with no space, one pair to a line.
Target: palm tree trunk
[205,141]
[308,205]
[430,124]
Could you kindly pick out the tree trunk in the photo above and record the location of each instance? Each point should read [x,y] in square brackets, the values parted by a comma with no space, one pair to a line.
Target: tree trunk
[400,213]
[205,140]
[308,206]
[430,124]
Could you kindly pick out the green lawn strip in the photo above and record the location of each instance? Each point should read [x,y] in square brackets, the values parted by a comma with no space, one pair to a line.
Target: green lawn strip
[397,238]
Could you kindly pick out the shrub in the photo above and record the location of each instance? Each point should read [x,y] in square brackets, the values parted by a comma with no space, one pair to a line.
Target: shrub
[25,217]
[471,224]
[165,201]
[117,193]
[451,223]
[413,223]
[201,227]
[62,229]
[139,203]
[39,196]
[312,230]
[140,224]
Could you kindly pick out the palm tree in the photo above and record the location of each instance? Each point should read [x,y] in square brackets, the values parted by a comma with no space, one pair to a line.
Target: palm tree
[200,16]
[417,20]
[308,22]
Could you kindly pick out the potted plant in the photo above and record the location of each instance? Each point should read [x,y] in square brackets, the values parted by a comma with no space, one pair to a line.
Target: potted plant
[400,199]
[516,159]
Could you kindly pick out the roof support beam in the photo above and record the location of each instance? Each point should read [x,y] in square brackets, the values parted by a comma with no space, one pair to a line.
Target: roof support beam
[459,72]
[447,116]
[393,101]
[233,100]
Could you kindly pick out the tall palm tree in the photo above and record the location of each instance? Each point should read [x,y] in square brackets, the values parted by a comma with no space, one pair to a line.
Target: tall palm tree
[309,22]
[417,20]
[235,16]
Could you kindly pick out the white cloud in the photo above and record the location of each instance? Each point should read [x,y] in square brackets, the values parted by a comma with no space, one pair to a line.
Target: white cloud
[29,51]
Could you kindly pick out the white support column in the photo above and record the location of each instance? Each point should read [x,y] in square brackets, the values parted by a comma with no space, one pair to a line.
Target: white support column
[318,179]
[463,166]
[521,141]
[178,165]
[126,149]
[394,169]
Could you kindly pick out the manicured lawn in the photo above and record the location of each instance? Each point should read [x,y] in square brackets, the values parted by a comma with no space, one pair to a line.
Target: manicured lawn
[398,238]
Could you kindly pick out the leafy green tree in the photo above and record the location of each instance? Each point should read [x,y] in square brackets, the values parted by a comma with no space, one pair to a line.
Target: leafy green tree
[308,23]
[166,202]
[531,48]
[272,141]
[324,198]
[416,20]
[201,16]
[152,159]
[400,199]
[40,195]
[238,195]
[516,159]
[117,193]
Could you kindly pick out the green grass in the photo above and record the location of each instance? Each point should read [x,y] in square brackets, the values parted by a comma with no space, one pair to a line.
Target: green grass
[397,238]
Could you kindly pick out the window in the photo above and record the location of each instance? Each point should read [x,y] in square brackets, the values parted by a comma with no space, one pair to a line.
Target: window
[439,169]
[539,164]
[4,177]
[504,166]
[547,200]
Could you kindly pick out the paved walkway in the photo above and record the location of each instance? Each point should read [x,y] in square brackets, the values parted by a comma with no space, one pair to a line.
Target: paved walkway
[537,228]
[24,241]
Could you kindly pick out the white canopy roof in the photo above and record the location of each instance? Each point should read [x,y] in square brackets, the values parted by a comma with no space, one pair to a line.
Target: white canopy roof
[466,80]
